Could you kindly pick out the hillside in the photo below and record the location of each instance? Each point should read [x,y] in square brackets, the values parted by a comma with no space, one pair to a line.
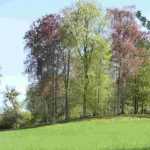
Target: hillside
[103,134]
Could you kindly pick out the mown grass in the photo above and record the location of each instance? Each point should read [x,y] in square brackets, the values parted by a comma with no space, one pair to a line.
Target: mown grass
[121,133]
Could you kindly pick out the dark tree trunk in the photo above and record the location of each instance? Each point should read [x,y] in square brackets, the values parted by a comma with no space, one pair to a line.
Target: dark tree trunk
[142,108]
[135,98]
[123,96]
[118,91]
[135,106]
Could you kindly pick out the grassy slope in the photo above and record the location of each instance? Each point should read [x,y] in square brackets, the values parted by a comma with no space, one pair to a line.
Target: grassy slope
[110,134]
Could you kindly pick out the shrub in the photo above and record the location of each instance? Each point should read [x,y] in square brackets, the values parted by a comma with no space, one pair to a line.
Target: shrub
[12,120]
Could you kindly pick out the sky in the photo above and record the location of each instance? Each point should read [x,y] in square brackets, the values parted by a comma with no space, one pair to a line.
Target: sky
[16,16]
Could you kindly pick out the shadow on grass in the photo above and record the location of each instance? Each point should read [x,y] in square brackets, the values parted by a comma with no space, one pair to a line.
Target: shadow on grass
[142,148]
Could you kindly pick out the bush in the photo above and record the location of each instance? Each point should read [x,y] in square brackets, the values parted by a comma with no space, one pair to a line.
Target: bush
[25,120]
[12,120]
[8,120]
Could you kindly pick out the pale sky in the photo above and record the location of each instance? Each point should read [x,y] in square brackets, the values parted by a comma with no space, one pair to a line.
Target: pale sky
[15,18]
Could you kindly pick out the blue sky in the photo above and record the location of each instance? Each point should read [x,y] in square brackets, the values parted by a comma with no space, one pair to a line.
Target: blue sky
[15,18]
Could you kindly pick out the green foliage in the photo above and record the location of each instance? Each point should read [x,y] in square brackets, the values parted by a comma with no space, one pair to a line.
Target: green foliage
[139,88]
[80,70]
[12,116]
[99,78]
[36,104]
[145,22]
[9,120]
[12,120]
[10,99]
[26,120]
[84,24]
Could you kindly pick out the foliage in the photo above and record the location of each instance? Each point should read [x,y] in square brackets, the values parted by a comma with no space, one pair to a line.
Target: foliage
[145,22]
[12,116]
[126,35]
[83,62]
[138,88]
[85,24]
[44,61]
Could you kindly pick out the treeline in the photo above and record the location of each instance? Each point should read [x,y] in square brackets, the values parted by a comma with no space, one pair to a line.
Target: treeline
[84,62]
[87,62]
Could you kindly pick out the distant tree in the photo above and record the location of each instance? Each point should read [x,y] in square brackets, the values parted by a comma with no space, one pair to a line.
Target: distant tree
[10,99]
[11,114]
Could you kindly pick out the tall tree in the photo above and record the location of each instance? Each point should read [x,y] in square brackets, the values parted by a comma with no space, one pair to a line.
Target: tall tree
[66,44]
[67,57]
[44,58]
[125,35]
[85,22]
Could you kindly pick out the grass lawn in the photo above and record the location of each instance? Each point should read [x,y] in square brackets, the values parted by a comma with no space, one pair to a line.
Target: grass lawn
[122,133]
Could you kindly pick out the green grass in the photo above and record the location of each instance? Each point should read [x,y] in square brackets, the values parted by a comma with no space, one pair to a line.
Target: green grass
[96,134]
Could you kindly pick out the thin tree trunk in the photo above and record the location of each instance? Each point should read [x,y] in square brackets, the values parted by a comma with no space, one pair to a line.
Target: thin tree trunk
[118,91]
[84,100]
[86,82]
[67,72]
[135,106]
[135,99]
[122,96]
[98,101]
[142,108]
[53,88]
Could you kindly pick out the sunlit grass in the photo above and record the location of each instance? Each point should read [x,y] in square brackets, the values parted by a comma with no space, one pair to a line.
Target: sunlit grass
[121,133]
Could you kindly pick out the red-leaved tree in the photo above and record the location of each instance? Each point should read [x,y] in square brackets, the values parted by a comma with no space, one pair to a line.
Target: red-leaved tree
[126,35]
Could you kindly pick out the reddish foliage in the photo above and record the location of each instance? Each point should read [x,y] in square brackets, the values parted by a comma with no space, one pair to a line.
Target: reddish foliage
[125,35]
[43,42]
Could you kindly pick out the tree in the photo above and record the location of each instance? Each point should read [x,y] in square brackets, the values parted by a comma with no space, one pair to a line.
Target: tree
[138,90]
[100,81]
[44,61]
[11,114]
[145,22]
[66,73]
[85,23]
[138,85]
[10,101]
[125,37]
[37,104]
[66,60]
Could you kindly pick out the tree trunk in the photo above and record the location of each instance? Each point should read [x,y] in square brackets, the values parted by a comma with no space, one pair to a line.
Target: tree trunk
[135,98]
[84,100]
[135,106]
[98,101]
[86,82]
[123,94]
[67,71]
[118,91]
[142,108]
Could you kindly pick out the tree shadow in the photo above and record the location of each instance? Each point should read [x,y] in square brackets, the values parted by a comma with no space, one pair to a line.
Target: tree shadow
[142,148]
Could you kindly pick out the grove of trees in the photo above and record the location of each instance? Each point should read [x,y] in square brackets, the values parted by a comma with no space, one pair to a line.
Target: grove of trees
[85,62]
